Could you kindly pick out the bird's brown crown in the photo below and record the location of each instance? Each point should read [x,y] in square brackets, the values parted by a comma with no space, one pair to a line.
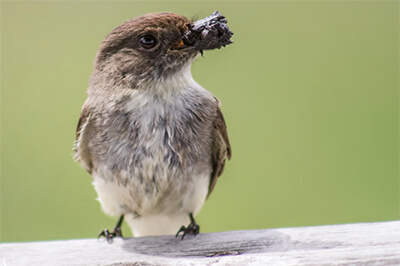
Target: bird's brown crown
[165,27]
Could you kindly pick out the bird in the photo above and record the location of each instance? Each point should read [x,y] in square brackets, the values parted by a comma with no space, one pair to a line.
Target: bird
[153,139]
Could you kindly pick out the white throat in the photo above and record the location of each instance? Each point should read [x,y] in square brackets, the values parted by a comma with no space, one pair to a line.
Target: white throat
[174,83]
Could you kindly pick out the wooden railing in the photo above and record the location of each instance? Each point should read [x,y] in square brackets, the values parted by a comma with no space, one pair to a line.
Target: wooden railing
[348,244]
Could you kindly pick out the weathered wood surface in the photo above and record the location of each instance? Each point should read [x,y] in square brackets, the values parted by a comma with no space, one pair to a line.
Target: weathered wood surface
[349,244]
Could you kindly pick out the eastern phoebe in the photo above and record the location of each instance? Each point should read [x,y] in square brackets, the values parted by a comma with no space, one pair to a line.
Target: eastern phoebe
[153,139]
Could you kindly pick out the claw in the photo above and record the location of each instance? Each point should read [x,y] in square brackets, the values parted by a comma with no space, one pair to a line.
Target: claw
[110,235]
[193,228]
[103,233]
[116,232]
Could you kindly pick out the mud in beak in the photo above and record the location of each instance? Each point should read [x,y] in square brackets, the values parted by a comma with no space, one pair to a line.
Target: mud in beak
[207,34]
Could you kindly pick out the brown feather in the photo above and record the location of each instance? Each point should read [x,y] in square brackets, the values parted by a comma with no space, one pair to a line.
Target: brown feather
[82,120]
[221,149]
[81,150]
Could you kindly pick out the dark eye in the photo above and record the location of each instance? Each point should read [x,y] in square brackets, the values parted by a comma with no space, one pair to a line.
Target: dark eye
[147,41]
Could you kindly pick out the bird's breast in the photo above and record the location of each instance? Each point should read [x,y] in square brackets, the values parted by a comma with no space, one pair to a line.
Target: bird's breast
[153,137]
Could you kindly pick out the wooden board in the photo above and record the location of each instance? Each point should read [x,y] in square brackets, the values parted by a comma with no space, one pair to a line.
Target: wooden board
[348,244]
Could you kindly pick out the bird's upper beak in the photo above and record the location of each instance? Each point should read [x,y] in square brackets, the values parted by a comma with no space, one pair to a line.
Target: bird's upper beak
[206,34]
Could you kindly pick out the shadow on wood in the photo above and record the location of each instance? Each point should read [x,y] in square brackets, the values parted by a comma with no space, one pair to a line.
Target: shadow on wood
[224,243]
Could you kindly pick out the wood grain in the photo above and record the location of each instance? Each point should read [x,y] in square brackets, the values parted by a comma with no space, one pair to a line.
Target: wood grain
[348,244]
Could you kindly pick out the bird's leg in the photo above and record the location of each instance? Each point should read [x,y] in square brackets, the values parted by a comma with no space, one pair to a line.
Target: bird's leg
[116,232]
[193,228]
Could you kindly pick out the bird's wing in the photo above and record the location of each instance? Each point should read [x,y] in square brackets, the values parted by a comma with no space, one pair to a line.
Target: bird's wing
[81,149]
[221,149]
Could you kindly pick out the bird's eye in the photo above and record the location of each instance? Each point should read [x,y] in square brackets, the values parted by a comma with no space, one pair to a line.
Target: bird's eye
[147,41]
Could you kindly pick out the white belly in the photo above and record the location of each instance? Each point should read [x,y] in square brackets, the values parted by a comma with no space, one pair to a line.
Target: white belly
[157,224]
[149,217]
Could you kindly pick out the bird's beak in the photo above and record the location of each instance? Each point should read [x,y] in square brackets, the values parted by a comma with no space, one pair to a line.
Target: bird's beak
[206,34]
[180,45]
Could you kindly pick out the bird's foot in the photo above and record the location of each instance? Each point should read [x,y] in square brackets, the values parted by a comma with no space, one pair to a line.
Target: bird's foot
[116,232]
[192,229]
[109,235]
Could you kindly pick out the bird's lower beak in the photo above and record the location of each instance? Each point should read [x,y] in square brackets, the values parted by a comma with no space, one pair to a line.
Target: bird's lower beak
[207,34]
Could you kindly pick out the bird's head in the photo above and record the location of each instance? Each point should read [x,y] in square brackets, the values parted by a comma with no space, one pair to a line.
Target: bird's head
[157,45]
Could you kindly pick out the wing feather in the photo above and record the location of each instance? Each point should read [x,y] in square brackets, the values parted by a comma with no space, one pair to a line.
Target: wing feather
[81,150]
[221,149]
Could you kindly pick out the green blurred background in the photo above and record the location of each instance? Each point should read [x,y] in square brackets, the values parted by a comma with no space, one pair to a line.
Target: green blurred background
[310,93]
